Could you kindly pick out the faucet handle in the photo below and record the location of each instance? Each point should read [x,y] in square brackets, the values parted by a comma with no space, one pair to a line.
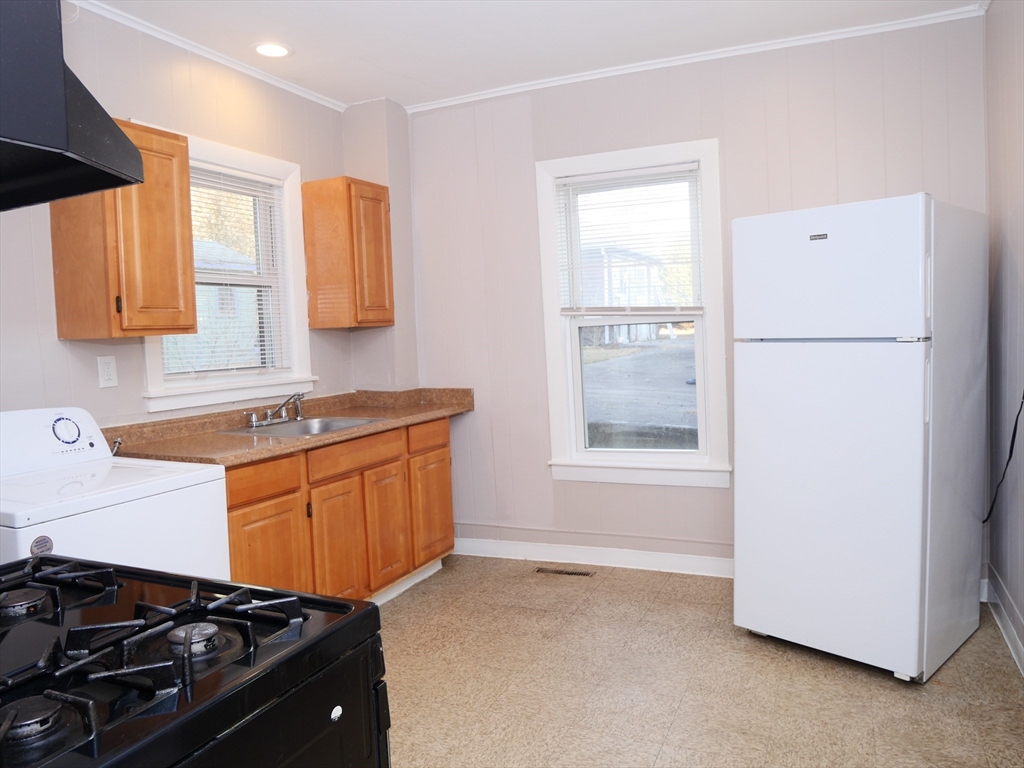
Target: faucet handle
[252,418]
[298,406]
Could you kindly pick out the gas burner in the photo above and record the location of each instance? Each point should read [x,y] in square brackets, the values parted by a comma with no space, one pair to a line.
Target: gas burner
[22,602]
[31,718]
[202,636]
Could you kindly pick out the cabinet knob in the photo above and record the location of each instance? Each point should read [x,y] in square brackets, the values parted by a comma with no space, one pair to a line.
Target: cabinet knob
[336,714]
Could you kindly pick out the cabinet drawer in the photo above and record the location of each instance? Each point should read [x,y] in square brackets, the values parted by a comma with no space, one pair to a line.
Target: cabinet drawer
[433,434]
[355,454]
[263,480]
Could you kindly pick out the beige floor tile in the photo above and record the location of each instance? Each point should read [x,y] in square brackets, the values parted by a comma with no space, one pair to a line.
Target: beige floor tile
[409,753]
[681,757]
[711,724]
[676,612]
[553,702]
[818,742]
[698,589]
[577,668]
[610,606]
[587,748]
[1004,757]
[598,631]
[632,712]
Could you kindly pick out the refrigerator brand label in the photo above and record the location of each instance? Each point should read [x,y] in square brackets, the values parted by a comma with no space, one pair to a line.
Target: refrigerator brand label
[819,237]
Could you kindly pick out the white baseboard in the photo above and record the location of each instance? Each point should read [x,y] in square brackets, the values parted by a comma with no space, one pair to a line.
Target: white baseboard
[393,591]
[1001,604]
[617,558]
[984,591]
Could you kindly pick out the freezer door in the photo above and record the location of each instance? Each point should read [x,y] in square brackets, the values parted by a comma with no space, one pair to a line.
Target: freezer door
[830,492]
[858,270]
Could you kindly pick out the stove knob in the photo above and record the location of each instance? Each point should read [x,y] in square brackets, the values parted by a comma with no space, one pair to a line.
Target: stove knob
[67,431]
[335,714]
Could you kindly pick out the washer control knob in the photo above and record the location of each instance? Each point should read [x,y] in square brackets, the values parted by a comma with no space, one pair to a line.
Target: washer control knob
[67,431]
[336,714]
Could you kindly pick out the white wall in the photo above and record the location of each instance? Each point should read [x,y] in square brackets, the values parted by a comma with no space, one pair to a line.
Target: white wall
[377,149]
[854,119]
[134,75]
[1005,76]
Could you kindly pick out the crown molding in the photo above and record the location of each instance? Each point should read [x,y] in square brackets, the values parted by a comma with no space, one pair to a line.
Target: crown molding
[102,9]
[964,12]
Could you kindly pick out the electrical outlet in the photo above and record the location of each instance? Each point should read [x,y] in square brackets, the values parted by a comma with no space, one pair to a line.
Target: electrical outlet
[108,371]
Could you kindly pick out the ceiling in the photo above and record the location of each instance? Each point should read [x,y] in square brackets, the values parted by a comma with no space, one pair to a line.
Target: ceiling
[421,52]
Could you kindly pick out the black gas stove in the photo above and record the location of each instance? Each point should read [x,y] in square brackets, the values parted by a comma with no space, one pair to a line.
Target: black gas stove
[105,665]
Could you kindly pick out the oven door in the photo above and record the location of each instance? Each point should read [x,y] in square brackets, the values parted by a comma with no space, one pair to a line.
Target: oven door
[328,720]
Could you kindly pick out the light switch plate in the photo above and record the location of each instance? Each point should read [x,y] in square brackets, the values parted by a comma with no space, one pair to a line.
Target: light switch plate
[108,370]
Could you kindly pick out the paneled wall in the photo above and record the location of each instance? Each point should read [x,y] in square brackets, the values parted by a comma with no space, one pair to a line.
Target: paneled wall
[377,149]
[866,117]
[1005,71]
[134,75]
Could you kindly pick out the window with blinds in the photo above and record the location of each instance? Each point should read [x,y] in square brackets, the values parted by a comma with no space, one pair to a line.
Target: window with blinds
[241,278]
[630,285]
[630,242]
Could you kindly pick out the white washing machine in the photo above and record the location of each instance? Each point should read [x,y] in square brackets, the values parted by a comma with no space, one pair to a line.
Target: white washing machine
[62,491]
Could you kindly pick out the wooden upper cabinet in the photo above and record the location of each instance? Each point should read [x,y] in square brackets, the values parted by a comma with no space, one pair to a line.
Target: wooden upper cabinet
[122,258]
[347,229]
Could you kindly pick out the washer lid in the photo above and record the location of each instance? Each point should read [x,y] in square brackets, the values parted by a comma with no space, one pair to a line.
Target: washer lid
[37,497]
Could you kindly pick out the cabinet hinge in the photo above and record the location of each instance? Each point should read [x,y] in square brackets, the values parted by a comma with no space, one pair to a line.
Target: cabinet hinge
[117,304]
[309,509]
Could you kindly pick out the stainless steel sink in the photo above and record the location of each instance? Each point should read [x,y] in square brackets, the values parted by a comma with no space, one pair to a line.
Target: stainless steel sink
[304,428]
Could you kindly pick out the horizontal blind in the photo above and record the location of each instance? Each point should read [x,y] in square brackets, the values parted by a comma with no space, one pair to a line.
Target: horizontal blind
[630,243]
[241,278]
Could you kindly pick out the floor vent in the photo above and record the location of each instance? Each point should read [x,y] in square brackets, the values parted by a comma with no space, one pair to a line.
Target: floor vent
[560,572]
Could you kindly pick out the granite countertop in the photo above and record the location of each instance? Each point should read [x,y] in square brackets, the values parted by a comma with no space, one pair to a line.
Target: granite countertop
[199,439]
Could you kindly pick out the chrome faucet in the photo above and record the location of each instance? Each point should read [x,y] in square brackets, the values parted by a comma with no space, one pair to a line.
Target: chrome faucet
[273,417]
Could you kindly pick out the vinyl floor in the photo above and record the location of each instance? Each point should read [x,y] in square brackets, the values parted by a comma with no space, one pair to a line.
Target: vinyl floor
[492,665]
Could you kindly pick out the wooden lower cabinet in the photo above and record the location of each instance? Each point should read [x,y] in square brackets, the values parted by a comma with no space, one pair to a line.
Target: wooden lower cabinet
[269,544]
[339,539]
[345,520]
[387,523]
[430,501]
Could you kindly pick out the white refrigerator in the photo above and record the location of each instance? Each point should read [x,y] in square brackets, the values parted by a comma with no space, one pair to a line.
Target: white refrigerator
[860,410]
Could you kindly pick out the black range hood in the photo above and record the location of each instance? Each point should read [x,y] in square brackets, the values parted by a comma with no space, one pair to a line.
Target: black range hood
[55,139]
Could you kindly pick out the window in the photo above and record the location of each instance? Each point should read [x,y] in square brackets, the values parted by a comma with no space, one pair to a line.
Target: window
[634,322]
[250,279]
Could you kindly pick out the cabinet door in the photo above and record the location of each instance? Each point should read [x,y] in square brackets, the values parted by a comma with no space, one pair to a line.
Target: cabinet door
[430,492]
[154,225]
[339,539]
[371,241]
[269,544]
[387,523]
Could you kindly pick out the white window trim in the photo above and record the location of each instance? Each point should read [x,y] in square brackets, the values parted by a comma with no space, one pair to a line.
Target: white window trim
[708,468]
[227,387]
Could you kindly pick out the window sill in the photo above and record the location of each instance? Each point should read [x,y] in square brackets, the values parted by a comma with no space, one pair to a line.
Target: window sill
[225,392]
[703,476]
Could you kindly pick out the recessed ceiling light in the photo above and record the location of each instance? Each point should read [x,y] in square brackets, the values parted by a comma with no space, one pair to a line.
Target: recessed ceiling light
[274,50]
